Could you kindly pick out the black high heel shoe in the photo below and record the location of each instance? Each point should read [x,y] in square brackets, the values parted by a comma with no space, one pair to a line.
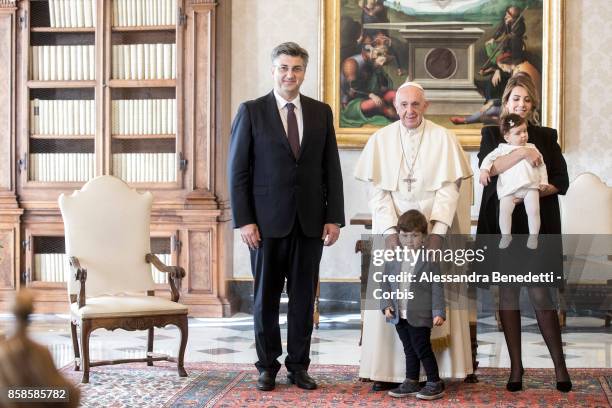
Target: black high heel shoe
[514,386]
[564,386]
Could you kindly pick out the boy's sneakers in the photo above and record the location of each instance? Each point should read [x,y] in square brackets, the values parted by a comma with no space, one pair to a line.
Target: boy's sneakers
[408,387]
[431,390]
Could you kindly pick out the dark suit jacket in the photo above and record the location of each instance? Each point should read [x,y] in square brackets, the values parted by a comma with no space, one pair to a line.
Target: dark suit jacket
[545,139]
[268,186]
[550,249]
[428,301]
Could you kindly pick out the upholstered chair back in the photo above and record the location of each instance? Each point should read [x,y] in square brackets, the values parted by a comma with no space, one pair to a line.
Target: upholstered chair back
[586,208]
[586,222]
[107,228]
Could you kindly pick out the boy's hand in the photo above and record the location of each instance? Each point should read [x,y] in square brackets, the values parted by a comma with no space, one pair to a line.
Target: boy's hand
[389,313]
[485,177]
[438,321]
[434,241]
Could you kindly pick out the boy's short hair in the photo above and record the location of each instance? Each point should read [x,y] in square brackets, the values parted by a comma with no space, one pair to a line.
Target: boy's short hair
[412,220]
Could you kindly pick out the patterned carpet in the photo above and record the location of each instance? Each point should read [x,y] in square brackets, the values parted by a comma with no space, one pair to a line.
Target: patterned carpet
[233,385]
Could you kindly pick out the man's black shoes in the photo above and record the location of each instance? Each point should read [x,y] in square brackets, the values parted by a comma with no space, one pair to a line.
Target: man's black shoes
[302,380]
[266,381]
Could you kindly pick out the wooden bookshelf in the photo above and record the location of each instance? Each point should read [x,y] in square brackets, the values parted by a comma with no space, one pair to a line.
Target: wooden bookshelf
[47,285]
[146,136]
[69,137]
[60,84]
[63,30]
[143,83]
[192,210]
[63,185]
[127,29]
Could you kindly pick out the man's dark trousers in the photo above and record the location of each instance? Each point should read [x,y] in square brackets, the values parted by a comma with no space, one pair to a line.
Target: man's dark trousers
[295,257]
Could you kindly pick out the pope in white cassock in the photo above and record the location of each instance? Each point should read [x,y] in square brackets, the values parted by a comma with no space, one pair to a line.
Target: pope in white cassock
[413,164]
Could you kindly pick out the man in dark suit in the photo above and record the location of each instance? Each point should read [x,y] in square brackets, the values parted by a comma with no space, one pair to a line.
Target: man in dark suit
[286,193]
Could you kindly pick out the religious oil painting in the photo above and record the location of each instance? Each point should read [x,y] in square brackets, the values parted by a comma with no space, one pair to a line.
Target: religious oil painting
[461,51]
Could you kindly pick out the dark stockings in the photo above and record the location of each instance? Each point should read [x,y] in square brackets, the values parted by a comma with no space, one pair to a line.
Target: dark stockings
[548,322]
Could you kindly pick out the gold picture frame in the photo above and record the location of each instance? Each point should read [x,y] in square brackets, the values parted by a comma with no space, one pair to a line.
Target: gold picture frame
[552,75]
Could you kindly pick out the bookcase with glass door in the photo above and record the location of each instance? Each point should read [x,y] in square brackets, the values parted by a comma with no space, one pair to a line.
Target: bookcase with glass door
[121,87]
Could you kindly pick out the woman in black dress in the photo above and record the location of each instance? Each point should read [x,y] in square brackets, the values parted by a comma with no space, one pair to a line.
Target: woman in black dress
[520,97]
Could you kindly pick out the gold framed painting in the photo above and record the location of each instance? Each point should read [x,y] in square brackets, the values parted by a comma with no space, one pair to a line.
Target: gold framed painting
[461,51]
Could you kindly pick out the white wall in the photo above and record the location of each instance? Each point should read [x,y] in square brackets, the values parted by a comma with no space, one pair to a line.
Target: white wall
[257,27]
[588,88]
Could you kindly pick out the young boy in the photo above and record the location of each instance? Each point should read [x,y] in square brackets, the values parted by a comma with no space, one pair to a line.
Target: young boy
[414,318]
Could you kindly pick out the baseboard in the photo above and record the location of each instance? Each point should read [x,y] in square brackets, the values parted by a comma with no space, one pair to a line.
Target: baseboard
[335,297]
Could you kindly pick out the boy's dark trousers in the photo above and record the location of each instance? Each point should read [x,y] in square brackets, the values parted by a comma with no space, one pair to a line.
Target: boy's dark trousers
[417,349]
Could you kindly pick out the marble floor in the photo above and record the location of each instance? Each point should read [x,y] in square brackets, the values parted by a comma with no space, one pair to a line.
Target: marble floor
[230,340]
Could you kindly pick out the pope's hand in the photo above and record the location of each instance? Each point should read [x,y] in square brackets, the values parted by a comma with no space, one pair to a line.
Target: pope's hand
[392,241]
[250,235]
[434,241]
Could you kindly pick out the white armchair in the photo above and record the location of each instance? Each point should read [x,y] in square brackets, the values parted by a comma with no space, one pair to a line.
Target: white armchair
[108,243]
[586,209]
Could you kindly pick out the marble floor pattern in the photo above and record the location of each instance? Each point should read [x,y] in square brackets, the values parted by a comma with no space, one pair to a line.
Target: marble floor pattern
[230,340]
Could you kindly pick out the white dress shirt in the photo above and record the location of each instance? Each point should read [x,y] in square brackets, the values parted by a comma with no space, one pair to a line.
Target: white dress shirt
[282,109]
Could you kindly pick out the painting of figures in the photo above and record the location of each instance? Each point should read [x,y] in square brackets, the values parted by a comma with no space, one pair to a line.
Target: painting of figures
[461,51]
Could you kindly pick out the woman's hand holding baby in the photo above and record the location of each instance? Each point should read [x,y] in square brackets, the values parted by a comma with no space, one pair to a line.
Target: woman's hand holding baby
[485,177]
[533,156]
[547,189]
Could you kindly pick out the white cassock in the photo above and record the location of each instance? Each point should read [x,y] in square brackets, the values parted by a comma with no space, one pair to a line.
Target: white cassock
[438,169]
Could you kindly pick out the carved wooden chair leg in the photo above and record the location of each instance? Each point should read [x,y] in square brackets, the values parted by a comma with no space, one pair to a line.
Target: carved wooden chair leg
[361,332]
[183,327]
[150,346]
[85,332]
[75,346]
[473,319]
[473,378]
[562,318]
[562,311]
[498,321]
[316,314]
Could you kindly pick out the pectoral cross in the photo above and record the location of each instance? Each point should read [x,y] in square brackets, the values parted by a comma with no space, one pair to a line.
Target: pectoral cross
[409,181]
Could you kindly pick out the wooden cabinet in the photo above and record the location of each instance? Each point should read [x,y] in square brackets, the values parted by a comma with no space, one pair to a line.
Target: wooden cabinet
[115,88]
